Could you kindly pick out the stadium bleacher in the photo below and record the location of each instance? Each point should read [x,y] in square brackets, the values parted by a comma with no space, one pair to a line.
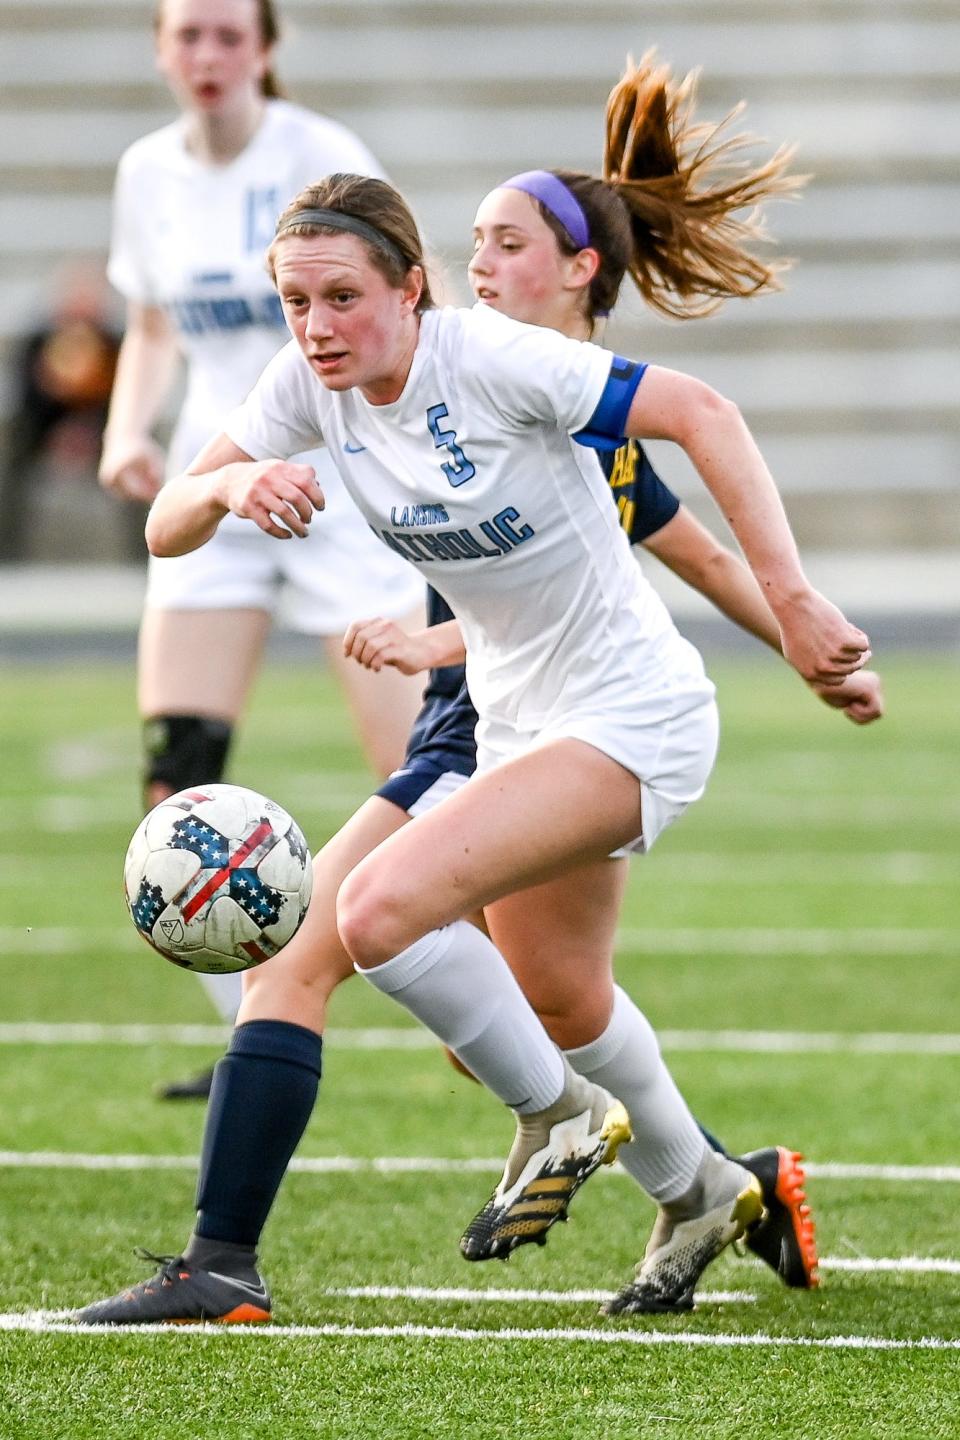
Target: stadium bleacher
[850,379]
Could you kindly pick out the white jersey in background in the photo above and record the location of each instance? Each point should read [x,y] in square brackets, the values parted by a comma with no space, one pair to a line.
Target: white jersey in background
[472,476]
[190,237]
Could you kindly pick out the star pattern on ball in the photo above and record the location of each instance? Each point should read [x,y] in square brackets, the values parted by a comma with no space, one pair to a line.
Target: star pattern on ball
[209,846]
[260,901]
[147,906]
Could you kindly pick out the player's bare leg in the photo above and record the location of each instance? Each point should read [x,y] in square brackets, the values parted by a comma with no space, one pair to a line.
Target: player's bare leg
[556,935]
[297,984]
[398,917]
[558,939]
[199,661]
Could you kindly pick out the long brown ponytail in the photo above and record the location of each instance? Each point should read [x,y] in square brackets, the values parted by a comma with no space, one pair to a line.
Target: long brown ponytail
[682,183]
[666,208]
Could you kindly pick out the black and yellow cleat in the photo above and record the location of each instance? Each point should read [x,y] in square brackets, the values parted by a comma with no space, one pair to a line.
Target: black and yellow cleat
[681,1249]
[786,1238]
[521,1211]
[182,1294]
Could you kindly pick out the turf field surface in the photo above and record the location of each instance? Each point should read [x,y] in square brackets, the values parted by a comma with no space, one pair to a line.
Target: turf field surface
[793,939]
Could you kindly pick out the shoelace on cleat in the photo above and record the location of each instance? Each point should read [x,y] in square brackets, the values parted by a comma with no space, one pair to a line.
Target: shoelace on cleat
[171,1266]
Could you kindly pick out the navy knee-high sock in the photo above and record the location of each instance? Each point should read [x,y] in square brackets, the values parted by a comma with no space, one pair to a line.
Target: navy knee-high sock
[262,1096]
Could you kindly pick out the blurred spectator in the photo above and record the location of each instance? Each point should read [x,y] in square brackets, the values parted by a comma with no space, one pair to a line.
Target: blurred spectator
[61,378]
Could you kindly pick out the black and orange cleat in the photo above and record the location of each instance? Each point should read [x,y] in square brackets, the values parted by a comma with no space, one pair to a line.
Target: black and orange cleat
[182,1294]
[786,1238]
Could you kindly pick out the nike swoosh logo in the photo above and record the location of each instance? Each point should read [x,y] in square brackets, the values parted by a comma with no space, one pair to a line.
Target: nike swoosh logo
[353,449]
[259,1290]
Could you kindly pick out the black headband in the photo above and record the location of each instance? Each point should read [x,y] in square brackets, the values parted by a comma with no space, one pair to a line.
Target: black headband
[337,220]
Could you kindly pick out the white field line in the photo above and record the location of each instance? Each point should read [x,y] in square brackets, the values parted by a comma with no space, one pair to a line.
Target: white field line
[515,1297]
[424,1165]
[895,867]
[904,1265]
[768,1042]
[710,940]
[73,814]
[693,868]
[717,940]
[30,1032]
[733,807]
[737,807]
[46,1322]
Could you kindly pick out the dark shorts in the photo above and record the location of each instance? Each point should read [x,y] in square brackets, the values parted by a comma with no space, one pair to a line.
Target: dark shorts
[441,752]
[422,781]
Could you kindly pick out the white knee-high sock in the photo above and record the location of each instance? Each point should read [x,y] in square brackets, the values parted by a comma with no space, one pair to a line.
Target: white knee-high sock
[458,984]
[667,1144]
[226,992]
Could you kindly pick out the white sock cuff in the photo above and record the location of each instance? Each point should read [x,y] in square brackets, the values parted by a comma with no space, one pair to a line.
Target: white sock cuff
[585,1059]
[411,964]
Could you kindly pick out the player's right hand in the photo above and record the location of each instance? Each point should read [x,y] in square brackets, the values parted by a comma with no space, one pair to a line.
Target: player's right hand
[379,642]
[859,696]
[133,470]
[277,495]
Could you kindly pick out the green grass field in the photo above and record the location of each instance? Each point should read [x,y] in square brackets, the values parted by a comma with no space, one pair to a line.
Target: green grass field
[795,941]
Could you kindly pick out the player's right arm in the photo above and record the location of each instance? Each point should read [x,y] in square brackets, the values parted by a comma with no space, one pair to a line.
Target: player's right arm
[689,549]
[277,495]
[132,463]
[816,638]
[379,641]
[243,470]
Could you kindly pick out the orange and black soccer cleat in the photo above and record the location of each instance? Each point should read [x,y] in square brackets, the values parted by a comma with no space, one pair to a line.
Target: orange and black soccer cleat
[785,1239]
[181,1294]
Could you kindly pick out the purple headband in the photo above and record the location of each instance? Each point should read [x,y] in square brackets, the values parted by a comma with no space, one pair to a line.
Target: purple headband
[559,200]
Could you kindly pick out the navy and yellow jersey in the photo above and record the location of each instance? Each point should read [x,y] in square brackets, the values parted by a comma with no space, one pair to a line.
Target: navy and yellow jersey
[442,738]
[442,733]
[643,502]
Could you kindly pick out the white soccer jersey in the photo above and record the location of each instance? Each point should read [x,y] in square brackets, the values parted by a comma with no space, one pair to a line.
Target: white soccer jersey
[472,476]
[191,237]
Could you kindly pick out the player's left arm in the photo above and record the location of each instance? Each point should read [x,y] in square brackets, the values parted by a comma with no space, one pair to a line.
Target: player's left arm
[815,637]
[277,495]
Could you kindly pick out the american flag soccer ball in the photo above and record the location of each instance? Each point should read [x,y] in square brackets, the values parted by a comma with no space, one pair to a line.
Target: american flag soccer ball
[217,878]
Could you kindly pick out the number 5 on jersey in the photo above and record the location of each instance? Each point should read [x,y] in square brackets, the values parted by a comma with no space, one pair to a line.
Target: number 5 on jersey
[460,470]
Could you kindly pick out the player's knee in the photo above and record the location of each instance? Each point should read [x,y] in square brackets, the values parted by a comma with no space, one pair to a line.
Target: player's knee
[180,751]
[369,920]
[572,1015]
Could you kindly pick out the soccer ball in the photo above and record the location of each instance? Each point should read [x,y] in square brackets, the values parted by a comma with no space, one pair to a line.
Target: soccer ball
[217,878]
